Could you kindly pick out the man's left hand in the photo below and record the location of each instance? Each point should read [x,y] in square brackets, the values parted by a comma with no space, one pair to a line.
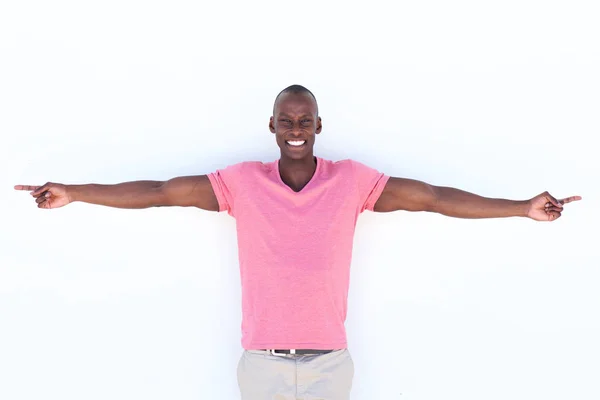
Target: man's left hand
[544,207]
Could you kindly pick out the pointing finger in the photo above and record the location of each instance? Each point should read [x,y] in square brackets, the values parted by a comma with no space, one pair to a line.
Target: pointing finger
[569,199]
[26,187]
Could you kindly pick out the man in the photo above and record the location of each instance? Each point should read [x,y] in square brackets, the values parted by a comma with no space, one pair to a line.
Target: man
[295,221]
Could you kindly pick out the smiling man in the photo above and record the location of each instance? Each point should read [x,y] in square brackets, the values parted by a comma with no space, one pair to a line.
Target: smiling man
[295,220]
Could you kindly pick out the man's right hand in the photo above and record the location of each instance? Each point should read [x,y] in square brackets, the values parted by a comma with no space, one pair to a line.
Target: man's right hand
[183,191]
[50,195]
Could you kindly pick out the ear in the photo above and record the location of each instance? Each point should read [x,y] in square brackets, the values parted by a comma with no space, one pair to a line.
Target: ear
[271,125]
[319,126]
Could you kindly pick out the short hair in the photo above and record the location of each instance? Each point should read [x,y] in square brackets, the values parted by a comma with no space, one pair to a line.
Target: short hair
[296,89]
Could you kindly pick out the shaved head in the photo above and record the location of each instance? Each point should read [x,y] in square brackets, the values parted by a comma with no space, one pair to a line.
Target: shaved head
[296,89]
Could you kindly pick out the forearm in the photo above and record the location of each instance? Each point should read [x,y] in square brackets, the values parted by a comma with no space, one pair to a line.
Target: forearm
[137,194]
[458,203]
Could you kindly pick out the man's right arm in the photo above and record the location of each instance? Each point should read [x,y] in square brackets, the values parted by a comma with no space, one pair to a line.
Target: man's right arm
[184,191]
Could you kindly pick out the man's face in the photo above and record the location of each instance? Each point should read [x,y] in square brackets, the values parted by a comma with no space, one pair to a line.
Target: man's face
[295,119]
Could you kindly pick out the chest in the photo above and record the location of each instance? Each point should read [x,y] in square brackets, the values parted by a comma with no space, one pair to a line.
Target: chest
[321,213]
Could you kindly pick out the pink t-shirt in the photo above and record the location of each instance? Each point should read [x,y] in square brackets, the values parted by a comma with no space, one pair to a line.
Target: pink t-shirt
[295,249]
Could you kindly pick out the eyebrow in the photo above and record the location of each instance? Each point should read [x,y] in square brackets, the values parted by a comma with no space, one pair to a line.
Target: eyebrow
[287,115]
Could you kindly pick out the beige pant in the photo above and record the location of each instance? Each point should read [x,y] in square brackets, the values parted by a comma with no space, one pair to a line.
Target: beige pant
[264,376]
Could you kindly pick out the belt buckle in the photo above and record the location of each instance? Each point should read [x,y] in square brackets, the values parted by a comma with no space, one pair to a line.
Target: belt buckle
[272,351]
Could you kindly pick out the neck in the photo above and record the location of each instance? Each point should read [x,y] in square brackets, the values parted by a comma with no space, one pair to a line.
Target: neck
[305,164]
[297,173]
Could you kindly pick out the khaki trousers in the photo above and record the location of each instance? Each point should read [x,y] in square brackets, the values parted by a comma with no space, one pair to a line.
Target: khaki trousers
[264,376]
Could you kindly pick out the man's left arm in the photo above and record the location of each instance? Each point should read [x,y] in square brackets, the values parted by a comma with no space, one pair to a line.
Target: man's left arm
[413,195]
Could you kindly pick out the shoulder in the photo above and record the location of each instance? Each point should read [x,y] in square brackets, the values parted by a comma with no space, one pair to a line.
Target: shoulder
[351,167]
[248,169]
[340,166]
[245,166]
[257,166]
[360,168]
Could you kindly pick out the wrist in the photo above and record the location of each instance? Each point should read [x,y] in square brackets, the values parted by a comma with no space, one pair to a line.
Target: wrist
[524,207]
[72,193]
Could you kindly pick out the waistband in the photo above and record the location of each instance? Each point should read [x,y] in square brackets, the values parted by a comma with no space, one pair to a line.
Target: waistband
[278,352]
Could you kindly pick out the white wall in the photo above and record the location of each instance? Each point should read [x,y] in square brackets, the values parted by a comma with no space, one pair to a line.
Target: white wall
[498,99]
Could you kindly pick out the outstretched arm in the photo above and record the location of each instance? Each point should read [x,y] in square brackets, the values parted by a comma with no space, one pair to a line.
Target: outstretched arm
[182,191]
[413,195]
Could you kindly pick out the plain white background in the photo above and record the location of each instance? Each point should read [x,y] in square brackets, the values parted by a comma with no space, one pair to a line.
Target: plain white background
[497,98]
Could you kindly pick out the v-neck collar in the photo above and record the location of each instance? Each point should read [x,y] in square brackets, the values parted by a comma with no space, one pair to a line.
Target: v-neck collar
[309,183]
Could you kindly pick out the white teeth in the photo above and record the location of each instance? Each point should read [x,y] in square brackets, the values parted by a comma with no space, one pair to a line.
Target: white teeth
[296,142]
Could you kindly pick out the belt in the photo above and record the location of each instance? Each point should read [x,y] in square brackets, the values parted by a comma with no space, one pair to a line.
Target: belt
[296,351]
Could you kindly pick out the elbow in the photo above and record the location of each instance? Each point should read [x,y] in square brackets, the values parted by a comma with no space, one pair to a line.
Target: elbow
[160,197]
[433,199]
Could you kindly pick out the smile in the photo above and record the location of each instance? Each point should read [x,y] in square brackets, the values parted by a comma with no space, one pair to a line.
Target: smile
[295,143]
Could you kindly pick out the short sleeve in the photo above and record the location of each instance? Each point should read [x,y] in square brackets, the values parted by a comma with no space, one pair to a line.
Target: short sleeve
[370,184]
[226,185]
